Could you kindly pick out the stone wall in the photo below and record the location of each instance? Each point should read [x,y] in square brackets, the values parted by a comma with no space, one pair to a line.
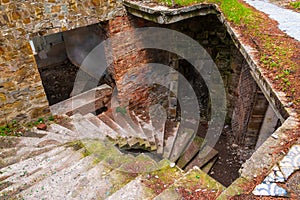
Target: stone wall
[22,95]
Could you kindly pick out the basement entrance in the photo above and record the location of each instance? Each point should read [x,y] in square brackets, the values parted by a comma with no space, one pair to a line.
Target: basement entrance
[250,119]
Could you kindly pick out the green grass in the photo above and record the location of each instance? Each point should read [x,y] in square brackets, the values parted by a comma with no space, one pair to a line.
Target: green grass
[232,9]
[295,5]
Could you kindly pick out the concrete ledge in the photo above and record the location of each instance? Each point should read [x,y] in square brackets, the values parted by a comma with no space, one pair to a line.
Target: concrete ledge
[164,15]
[85,102]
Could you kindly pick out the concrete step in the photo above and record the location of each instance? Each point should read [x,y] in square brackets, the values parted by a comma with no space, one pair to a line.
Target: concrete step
[84,103]
[148,185]
[122,133]
[158,118]
[104,150]
[183,139]
[207,167]
[123,119]
[25,166]
[171,129]
[195,183]
[134,190]
[102,126]
[59,184]
[64,131]
[190,152]
[91,184]
[141,164]
[46,168]
[149,132]
[204,156]
[134,125]
[24,153]
[85,128]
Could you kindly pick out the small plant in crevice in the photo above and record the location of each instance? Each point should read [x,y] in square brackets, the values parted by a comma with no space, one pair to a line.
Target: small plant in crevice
[11,129]
[295,5]
[15,128]
[121,110]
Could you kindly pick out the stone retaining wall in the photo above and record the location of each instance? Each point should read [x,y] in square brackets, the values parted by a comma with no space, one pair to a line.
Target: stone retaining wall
[22,95]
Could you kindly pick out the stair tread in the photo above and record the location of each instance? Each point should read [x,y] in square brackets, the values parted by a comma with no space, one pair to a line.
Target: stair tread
[91,184]
[140,164]
[190,152]
[203,157]
[158,118]
[131,141]
[148,185]
[83,103]
[169,137]
[132,190]
[149,132]
[102,126]
[113,125]
[59,129]
[207,167]
[51,187]
[194,180]
[25,153]
[85,128]
[124,120]
[28,164]
[183,139]
[48,168]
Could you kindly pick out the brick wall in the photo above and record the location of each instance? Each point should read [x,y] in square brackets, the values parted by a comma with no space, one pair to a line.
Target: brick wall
[246,93]
[22,95]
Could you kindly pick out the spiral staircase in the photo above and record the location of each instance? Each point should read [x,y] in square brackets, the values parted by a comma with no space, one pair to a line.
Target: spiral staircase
[117,154]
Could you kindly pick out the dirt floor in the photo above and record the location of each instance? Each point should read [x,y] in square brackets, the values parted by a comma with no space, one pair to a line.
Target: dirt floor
[230,158]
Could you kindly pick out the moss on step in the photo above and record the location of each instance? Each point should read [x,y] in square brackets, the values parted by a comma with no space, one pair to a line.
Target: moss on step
[77,145]
[191,151]
[140,164]
[158,181]
[119,179]
[201,179]
[234,189]
[194,184]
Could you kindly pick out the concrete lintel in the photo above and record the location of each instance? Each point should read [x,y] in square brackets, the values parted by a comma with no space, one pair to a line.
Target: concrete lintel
[165,15]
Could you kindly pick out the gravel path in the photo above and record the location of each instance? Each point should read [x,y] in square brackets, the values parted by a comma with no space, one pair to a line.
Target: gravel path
[289,21]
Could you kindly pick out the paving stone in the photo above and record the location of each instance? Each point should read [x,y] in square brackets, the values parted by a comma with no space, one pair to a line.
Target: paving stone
[269,189]
[288,20]
[275,176]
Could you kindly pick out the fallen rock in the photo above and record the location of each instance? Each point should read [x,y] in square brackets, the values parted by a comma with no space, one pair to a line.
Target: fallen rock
[41,127]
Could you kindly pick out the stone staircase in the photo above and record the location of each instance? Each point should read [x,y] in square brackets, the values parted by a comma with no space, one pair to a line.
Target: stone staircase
[114,155]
